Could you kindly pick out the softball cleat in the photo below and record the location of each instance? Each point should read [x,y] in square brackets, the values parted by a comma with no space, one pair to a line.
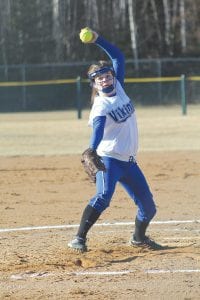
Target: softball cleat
[78,244]
[146,243]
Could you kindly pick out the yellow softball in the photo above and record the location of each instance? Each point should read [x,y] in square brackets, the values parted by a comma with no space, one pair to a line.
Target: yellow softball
[86,35]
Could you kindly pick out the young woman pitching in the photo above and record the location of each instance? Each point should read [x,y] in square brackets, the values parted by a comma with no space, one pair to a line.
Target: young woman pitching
[113,148]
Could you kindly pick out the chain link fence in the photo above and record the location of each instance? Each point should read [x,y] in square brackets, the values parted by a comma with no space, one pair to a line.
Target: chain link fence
[64,86]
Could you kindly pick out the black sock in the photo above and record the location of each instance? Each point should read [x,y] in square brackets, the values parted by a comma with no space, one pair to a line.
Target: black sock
[140,230]
[89,217]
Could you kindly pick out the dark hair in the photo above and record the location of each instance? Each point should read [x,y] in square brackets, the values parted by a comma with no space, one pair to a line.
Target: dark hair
[93,68]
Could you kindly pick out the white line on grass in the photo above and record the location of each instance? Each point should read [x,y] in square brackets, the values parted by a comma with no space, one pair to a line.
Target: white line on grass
[98,224]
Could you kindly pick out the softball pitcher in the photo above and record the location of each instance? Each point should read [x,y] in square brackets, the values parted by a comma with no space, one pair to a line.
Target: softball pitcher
[113,148]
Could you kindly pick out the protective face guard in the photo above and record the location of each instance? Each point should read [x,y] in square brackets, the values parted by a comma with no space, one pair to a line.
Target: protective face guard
[99,72]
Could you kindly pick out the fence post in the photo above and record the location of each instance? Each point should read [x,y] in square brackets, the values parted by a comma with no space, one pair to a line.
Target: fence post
[183,95]
[78,94]
[23,88]
[159,69]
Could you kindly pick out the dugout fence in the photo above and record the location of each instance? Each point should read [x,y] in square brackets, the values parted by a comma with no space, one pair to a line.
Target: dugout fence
[64,86]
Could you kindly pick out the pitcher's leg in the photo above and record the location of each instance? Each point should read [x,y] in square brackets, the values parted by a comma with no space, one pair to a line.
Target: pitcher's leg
[89,217]
[105,185]
[137,187]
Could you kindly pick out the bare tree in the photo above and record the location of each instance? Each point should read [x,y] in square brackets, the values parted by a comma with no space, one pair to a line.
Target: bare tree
[157,24]
[57,34]
[47,30]
[133,30]
[167,22]
[92,17]
[5,21]
[183,26]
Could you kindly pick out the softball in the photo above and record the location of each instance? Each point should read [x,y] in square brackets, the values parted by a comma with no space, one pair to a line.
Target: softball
[86,35]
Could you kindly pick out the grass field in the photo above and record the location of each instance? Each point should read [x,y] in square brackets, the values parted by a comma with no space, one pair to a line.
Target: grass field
[51,133]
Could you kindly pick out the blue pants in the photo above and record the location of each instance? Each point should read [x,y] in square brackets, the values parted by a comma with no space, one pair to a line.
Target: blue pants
[132,179]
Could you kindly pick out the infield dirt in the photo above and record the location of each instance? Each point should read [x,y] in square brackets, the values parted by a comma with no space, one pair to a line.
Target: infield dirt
[53,190]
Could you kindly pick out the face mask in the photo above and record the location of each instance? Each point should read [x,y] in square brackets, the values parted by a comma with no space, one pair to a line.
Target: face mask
[105,83]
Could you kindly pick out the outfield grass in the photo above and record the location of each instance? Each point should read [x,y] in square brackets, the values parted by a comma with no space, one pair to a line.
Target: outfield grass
[59,133]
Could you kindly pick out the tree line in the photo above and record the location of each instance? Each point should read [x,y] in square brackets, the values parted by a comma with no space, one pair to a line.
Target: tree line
[47,31]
